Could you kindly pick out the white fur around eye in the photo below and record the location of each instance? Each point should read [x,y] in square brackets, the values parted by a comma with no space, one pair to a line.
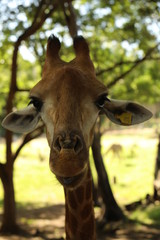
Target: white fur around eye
[47,116]
[90,115]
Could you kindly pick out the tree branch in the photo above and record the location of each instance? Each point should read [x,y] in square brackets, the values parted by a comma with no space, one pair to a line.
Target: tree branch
[102,71]
[70,17]
[27,138]
[38,21]
[40,17]
[22,90]
[1,169]
[136,63]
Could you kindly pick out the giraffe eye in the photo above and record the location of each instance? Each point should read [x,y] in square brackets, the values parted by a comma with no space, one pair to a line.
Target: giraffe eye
[37,103]
[101,101]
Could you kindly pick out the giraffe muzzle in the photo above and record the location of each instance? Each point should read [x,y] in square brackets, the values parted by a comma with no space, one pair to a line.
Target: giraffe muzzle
[69,158]
[71,182]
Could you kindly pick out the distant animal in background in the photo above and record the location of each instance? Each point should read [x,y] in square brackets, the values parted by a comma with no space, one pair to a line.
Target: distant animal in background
[41,156]
[116,150]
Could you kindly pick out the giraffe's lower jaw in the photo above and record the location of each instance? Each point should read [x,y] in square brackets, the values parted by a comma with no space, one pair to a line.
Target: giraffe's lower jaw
[71,182]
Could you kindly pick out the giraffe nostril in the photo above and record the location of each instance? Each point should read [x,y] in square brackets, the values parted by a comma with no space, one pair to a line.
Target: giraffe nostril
[78,145]
[72,142]
[57,144]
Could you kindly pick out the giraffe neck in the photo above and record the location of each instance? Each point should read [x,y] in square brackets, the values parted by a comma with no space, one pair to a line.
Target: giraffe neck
[80,222]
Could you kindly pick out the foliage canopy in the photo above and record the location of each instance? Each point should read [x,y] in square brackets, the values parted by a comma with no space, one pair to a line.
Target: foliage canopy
[120,34]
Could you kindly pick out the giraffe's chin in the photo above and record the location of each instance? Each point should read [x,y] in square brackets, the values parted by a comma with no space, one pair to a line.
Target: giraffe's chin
[72,182]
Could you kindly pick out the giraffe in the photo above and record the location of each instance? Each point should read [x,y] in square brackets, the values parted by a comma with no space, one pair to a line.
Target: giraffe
[68,100]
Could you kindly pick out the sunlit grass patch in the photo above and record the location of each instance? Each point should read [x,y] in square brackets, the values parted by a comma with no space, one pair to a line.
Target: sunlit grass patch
[34,183]
[130,174]
[147,215]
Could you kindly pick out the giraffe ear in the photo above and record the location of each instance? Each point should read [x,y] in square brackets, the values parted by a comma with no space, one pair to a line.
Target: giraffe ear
[22,121]
[126,113]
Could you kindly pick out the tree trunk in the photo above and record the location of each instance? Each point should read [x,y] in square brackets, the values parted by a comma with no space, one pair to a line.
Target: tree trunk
[9,217]
[112,211]
[156,185]
[6,170]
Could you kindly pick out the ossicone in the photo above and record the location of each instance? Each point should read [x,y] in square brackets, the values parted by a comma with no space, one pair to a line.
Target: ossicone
[80,46]
[53,46]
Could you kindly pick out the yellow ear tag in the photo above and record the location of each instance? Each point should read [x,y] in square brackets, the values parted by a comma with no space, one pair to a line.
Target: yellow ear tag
[125,118]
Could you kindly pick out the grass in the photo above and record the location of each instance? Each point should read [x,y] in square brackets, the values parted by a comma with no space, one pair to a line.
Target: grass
[133,170]
[149,215]
[33,180]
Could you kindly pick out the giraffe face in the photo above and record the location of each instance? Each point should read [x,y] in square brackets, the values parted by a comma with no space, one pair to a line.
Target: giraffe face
[68,100]
[68,108]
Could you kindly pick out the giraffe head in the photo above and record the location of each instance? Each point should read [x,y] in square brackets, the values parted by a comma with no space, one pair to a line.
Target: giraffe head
[68,100]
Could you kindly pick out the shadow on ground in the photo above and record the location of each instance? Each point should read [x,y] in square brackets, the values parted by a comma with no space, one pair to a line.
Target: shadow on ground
[47,223]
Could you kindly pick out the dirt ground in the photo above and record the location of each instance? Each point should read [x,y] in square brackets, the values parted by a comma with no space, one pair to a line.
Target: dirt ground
[48,223]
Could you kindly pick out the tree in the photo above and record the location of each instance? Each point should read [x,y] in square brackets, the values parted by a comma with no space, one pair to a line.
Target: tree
[123,46]
[6,170]
[156,184]
[112,210]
